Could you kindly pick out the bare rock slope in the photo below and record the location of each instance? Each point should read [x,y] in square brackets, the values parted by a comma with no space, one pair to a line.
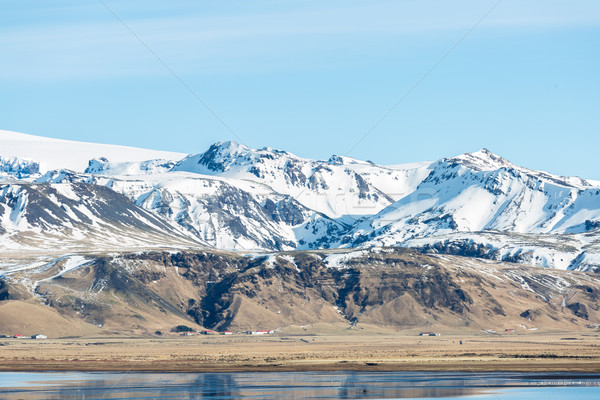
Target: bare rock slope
[392,288]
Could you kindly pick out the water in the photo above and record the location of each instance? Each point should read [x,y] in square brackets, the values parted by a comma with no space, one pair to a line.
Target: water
[298,385]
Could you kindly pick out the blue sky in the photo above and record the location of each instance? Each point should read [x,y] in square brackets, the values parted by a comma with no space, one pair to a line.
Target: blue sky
[312,77]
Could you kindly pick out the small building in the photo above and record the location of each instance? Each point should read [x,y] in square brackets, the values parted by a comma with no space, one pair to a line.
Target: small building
[207,332]
[20,336]
[187,334]
[509,330]
[428,334]
[261,332]
[227,333]
[38,336]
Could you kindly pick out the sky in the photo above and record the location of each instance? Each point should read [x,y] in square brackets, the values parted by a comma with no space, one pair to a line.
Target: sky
[388,81]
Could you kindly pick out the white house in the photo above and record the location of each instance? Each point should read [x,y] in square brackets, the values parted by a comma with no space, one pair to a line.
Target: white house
[39,337]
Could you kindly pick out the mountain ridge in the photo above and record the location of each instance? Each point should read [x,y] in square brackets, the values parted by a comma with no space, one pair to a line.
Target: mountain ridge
[391,288]
[238,198]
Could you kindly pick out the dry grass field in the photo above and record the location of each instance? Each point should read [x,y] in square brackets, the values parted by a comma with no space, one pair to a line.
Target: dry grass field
[316,348]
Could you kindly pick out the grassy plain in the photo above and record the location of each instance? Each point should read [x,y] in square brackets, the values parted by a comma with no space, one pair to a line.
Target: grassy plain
[316,348]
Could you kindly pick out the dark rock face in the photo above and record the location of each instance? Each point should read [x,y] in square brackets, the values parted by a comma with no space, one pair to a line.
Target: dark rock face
[579,309]
[294,174]
[463,247]
[592,294]
[3,291]
[529,314]
[287,210]
[210,159]
[591,225]
[19,168]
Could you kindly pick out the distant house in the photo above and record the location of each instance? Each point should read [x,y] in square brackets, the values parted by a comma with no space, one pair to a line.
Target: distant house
[227,333]
[509,330]
[208,332]
[20,336]
[428,334]
[38,336]
[187,334]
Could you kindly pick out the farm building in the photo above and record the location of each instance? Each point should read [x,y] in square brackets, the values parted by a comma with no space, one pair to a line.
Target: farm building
[429,334]
[38,336]
[262,332]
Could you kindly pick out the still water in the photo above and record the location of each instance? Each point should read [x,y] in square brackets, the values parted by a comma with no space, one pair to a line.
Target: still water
[298,385]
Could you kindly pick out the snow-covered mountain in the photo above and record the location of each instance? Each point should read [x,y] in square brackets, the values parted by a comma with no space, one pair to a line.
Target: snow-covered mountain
[224,212]
[482,200]
[234,197]
[70,216]
[481,191]
[339,187]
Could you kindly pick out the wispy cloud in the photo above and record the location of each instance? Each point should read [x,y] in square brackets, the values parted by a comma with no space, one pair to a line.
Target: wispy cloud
[90,43]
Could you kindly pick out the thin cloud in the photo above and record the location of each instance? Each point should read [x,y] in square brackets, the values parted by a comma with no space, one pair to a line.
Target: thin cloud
[260,41]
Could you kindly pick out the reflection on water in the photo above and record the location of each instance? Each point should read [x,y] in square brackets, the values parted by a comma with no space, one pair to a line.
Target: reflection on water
[297,385]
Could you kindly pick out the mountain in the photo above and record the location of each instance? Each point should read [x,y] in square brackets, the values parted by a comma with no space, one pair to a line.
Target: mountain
[481,204]
[51,153]
[218,197]
[234,197]
[338,187]
[77,216]
[142,292]
[226,213]
[241,238]
[481,191]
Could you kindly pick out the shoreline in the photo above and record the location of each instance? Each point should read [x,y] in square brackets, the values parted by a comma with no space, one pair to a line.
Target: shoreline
[532,366]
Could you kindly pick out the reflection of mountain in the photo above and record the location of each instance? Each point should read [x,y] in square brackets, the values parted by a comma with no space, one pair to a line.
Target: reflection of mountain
[138,385]
[214,386]
[402,385]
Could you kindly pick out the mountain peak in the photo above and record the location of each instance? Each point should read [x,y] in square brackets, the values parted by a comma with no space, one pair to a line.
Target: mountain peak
[230,146]
[233,148]
[344,160]
[483,159]
[220,155]
[274,151]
